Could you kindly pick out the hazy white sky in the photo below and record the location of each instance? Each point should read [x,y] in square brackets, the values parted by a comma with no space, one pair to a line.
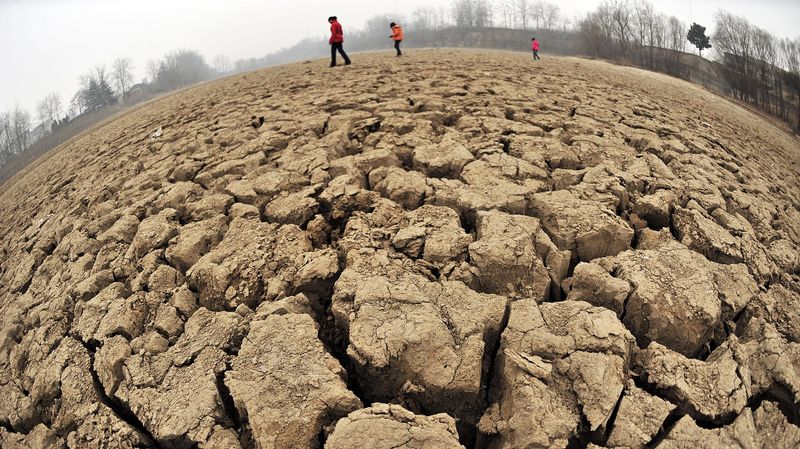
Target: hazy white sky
[47,44]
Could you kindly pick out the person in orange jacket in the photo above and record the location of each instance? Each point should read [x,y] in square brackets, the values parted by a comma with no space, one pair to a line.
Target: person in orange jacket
[397,37]
[336,40]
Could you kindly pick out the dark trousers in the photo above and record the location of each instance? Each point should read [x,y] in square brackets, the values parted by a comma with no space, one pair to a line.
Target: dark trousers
[337,46]
[397,47]
[536,55]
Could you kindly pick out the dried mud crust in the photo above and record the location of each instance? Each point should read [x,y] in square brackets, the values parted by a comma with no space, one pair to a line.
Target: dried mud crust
[455,249]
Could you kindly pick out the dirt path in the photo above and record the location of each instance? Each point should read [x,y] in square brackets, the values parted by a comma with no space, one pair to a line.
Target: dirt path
[511,255]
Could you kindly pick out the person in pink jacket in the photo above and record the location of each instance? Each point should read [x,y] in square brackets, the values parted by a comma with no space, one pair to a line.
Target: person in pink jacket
[535,48]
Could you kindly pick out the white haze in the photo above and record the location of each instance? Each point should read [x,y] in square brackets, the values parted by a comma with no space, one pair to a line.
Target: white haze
[47,44]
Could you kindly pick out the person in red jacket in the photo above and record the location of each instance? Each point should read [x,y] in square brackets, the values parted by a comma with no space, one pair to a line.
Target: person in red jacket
[397,37]
[535,48]
[337,37]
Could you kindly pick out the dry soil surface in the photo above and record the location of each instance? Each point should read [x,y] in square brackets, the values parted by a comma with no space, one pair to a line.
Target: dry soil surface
[451,249]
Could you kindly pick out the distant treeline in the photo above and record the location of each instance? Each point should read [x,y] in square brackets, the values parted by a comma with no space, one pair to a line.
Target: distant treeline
[101,92]
[749,63]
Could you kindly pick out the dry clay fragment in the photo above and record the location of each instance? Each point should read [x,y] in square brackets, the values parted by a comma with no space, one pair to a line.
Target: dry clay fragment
[593,284]
[40,437]
[772,360]
[557,361]
[384,426]
[433,233]
[677,297]
[762,429]
[406,188]
[585,227]
[254,262]
[65,391]
[442,160]
[511,253]
[175,393]
[194,241]
[286,384]
[639,418]
[412,337]
[715,389]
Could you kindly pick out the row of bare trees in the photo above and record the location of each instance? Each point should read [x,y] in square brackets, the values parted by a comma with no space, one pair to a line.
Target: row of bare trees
[633,31]
[751,64]
[760,68]
[101,87]
[515,14]
[15,130]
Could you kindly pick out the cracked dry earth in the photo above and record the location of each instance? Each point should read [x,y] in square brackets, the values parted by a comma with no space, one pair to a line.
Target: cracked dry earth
[455,249]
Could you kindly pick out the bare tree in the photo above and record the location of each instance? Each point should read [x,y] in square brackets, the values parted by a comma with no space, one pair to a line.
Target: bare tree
[152,70]
[43,114]
[733,46]
[54,106]
[507,9]
[537,12]
[6,138]
[550,15]
[122,74]
[790,60]
[222,64]
[522,10]
[21,128]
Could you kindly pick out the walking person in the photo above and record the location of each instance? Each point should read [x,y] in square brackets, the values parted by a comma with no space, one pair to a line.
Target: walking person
[397,37]
[535,48]
[336,40]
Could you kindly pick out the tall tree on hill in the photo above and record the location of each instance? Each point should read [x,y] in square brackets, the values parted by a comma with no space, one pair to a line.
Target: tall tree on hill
[697,37]
[122,75]
[790,60]
[182,68]
[54,106]
[523,10]
[43,114]
[222,64]
[5,139]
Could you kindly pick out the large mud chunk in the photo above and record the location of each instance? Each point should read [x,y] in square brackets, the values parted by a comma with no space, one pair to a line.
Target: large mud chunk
[468,199]
[639,418]
[593,284]
[293,208]
[175,392]
[346,194]
[64,392]
[716,389]
[442,160]
[781,308]
[414,338]
[41,437]
[774,363]
[585,227]
[510,255]
[384,426]
[113,311]
[194,241]
[705,236]
[254,262]
[678,297]
[504,175]
[153,233]
[433,233]
[557,362]
[286,385]
[405,188]
[764,428]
